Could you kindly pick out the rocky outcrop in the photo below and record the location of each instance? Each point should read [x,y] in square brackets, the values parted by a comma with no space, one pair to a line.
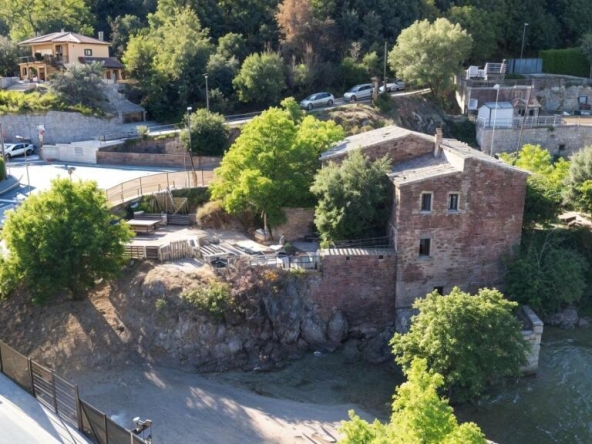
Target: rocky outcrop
[566,319]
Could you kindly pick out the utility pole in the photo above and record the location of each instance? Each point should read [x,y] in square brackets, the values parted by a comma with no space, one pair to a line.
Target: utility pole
[523,36]
[207,93]
[384,76]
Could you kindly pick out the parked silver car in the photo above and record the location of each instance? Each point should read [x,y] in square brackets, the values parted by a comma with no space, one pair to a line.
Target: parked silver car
[391,86]
[316,100]
[359,92]
[18,149]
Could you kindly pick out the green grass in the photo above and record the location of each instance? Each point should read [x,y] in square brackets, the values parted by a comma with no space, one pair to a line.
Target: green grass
[14,102]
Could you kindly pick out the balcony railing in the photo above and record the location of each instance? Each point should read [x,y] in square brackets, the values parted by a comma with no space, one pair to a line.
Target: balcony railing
[46,59]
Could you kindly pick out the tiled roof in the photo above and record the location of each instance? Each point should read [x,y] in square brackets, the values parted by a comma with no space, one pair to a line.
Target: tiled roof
[420,168]
[370,138]
[465,151]
[108,62]
[62,37]
[358,251]
[532,103]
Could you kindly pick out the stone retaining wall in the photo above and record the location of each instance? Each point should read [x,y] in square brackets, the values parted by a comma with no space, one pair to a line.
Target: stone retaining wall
[60,127]
[559,140]
[298,224]
[362,287]
[533,336]
[157,160]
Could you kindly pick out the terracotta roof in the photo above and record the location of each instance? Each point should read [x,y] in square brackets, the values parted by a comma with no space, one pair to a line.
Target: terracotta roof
[108,62]
[370,138]
[532,103]
[62,37]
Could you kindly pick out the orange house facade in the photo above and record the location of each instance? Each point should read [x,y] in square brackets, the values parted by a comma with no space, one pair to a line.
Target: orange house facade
[51,53]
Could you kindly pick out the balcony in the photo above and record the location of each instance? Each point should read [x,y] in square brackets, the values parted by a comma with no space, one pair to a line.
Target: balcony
[54,60]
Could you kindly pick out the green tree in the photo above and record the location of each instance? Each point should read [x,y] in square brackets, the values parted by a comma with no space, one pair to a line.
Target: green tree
[546,275]
[353,198]
[63,239]
[232,45]
[586,47]
[261,79]
[273,162]
[420,416]
[543,187]
[122,28]
[430,54]
[472,341]
[27,18]
[9,53]
[577,183]
[80,84]
[482,27]
[209,133]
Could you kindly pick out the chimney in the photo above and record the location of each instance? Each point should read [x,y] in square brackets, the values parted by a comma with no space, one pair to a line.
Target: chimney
[101,36]
[437,142]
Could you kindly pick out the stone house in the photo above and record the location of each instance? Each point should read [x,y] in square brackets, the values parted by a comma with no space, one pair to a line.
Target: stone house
[457,213]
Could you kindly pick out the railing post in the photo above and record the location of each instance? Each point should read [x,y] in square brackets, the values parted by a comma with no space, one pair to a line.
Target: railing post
[78,408]
[106,431]
[31,376]
[53,389]
[141,192]
[121,185]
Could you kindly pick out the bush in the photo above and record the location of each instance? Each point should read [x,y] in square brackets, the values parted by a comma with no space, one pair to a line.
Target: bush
[212,215]
[214,299]
[569,61]
[546,275]
[143,132]
[209,134]
[2,170]
[195,197]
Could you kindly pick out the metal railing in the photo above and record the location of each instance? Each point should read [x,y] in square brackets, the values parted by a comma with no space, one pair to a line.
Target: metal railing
[156,183]
[535,122]
[63,399]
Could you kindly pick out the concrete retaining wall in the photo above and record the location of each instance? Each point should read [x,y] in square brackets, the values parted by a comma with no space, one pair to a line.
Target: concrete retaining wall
[60,127]
[533,336]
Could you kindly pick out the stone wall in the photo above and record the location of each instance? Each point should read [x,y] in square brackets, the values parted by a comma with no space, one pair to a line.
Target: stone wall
[533,334]
[467,246]
[299,223]
[156,160]
[559,140]
[564,97]
[360,286]
[60,127]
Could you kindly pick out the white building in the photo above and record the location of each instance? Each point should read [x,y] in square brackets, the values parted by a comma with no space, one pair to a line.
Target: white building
[496,114]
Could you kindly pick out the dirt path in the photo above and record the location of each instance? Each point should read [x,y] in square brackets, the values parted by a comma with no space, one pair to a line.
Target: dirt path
[188,408]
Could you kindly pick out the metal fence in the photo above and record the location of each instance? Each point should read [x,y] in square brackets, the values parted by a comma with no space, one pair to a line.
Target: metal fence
[156,183]
[535,122]
[62,398]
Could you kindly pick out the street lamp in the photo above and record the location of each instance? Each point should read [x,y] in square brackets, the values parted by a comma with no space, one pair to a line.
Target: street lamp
[496,87]
[207,93]
[189,136]
[523,35]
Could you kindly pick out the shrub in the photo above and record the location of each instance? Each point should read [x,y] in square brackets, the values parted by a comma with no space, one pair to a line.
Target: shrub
[143,131]
[2,169]
[209,133]
[160,304]
[212,215]
[195,197]
[213,299]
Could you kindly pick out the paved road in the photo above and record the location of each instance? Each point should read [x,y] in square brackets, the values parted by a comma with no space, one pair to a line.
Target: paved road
[24,421]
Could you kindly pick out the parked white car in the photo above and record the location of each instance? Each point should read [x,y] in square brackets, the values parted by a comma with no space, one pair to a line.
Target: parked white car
[396,85]
[316,100]
[18,149]
[359,92]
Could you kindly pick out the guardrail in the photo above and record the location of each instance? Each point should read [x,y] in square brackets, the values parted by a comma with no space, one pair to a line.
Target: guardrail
[156,183]
[63,399]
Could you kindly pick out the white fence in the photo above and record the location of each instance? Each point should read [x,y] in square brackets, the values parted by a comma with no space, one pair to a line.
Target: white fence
[535,122]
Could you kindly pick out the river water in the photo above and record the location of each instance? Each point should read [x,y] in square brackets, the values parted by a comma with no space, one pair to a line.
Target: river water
[553,407]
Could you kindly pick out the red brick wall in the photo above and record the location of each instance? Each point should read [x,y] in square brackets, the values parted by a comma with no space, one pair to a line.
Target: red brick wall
[398,150]
[467,248]
[363,288]
[297,225]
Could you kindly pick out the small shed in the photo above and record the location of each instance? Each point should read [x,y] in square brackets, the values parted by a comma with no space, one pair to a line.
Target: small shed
[521,109]
[498,114]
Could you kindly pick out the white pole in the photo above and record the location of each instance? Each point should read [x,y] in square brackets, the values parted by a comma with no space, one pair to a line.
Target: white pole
[494,119]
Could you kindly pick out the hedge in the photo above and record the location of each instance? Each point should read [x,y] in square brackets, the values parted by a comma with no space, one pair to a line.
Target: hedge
[570,61]
[2,169]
